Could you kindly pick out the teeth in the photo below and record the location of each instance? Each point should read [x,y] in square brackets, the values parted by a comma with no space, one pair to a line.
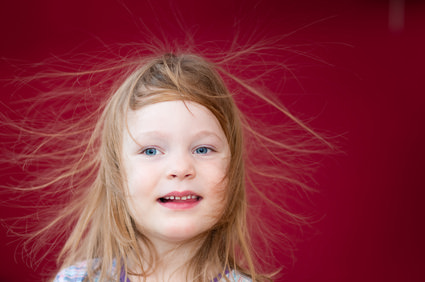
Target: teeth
[181,198]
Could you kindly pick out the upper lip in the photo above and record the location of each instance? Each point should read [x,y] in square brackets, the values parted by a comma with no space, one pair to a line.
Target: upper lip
[180,194]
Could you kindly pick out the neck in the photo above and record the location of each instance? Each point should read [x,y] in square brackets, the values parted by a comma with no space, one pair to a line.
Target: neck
[171,263]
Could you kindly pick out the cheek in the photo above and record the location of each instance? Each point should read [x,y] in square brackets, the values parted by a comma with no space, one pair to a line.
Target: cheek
[219,184]
[141,179]
[220,190]
[218,195]
[141,183]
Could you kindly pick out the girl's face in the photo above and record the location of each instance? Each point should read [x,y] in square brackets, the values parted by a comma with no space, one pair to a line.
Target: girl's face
[175,158]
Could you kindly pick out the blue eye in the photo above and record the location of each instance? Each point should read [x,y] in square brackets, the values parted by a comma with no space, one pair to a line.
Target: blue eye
[150,152]
[202,150]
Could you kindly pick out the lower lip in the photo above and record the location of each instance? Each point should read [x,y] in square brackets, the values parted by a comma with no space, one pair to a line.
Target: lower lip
[180,205]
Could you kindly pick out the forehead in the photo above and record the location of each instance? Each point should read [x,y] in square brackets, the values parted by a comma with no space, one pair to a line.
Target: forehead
[182,117]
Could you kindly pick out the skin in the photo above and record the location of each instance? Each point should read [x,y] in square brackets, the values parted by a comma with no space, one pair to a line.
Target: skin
[171,147]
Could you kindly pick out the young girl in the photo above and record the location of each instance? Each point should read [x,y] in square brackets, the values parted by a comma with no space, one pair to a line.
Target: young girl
[156,190]
[168,201]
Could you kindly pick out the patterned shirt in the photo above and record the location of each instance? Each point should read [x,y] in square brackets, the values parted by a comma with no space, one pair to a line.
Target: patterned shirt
[78,272]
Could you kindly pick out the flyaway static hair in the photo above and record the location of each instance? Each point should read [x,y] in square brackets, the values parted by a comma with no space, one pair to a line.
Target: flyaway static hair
[69,144]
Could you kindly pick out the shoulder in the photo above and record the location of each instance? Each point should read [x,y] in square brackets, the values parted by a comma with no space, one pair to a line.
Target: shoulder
[78,272]
[74,273]
[236,276]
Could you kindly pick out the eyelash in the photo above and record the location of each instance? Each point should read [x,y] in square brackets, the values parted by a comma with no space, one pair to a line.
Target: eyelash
[144,151]
[156,151]
[209,149]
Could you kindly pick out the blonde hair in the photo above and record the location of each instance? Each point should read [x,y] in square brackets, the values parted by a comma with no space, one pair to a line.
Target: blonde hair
[169,77]
[99,227]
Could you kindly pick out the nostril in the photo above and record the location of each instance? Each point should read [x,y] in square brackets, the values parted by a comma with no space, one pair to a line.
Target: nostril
[182,173]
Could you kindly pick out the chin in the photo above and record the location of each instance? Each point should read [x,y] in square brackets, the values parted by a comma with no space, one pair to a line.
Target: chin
[182,233]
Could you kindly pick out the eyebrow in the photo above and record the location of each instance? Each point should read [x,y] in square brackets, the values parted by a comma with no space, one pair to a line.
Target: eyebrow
[158,134]
[153,133]
[206,133]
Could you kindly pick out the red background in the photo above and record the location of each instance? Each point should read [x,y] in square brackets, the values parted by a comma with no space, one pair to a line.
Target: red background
[372,197]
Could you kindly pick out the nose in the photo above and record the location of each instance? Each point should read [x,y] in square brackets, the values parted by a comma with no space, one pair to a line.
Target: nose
[181,167]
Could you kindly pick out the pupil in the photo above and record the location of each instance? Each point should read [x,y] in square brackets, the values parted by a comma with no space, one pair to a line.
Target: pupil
[150,151]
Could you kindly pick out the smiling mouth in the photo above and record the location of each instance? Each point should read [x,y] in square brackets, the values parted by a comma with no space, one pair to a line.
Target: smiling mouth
[180,199]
